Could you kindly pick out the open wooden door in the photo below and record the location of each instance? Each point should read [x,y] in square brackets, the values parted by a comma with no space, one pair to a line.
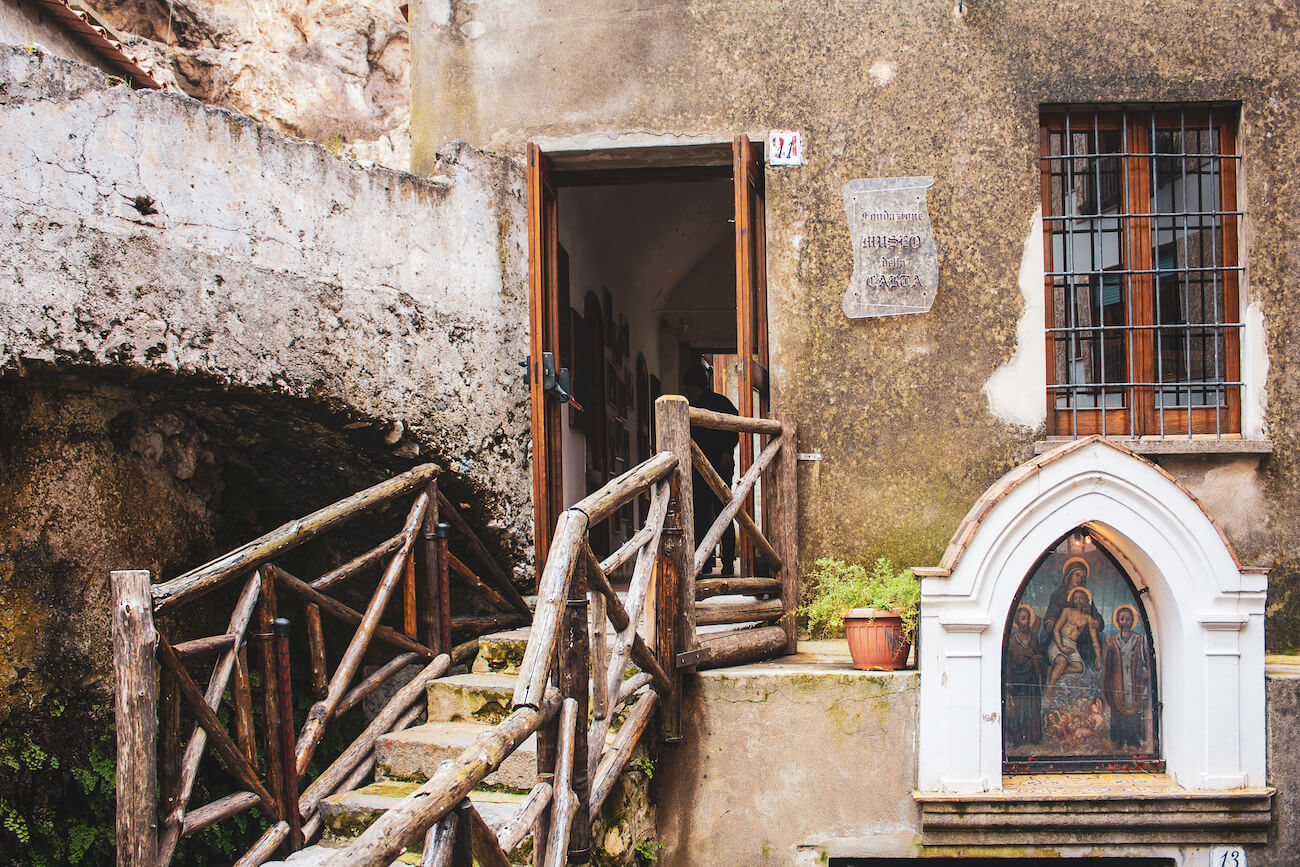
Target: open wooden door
[543,337]
[751,305]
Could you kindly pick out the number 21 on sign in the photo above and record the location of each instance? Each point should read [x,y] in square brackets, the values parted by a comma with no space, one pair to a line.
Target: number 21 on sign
[784,148]
[1227,856]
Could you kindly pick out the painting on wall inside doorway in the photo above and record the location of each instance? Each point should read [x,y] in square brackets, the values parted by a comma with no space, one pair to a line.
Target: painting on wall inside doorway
[1078,666]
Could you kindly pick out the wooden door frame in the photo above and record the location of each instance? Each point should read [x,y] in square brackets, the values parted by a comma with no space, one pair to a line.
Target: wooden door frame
[741,160]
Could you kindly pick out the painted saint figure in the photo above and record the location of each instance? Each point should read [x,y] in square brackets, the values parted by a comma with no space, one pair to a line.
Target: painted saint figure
[1126,678]
[1024,680]
[1063,653]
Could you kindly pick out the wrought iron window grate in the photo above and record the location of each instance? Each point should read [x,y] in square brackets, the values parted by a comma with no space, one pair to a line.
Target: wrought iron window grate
[1141,227]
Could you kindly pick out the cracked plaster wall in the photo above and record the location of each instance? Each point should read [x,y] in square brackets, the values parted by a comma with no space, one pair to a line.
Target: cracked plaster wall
[899,407]
[145,231]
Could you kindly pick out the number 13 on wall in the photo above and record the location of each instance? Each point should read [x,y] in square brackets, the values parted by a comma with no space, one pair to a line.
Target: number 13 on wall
[1227,856]
[784,148]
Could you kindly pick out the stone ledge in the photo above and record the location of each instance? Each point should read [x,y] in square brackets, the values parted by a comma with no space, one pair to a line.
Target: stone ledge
[1196,445]
[1154,809]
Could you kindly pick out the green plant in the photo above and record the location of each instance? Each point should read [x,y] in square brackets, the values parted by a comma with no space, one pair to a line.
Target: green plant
[840,586]
[647,767]
[647,850]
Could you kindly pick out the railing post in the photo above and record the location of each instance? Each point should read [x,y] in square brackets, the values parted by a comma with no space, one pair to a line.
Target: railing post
[574,682]
[285,701]
[784,524]
[443,530]
[429,569]
[135,707]
[669,563]
[673,433]
[263,618]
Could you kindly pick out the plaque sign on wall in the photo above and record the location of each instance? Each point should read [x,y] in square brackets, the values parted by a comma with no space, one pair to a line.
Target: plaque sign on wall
[895,263]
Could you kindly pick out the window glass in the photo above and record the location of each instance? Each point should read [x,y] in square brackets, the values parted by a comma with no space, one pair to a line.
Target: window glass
[1078,673]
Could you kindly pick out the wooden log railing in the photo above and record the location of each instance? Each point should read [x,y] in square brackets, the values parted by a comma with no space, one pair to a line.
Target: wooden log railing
[572,681]
[169,694]
[584,635]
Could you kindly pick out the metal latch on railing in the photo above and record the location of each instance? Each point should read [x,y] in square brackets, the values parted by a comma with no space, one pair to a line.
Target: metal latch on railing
[556,384]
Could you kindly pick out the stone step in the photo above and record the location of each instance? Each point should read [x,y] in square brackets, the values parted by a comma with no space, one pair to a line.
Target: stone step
[471,698]
[414,754]
[501,652]
[346,815]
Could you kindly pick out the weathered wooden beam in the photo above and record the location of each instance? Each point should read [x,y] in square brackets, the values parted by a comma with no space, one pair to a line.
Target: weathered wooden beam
[203,646]
[740,646]
[481,623]
[642,655]
[289,810]
[439,842]
[624,742]
[213,574]
[599,654]
[408,596]
[729,511]
[374,681]
[383,841]
[557,843]
[226,748]
[552,591]
[513,832]
[673,433]
[383,723]
[494,573]
[631,686]
[574,682]
[217,811]
[487,852]
[490,596]
[783,520]
[135,705]
[337,609]
[265,846]
[701,465]
[721,613]
[627,550]
[738,423]
[316,650]
[264,616]
[707,588]
[169,744]
[358,564]
[242,697]
[668,621]
[441,532]
[430,583]
[623,489]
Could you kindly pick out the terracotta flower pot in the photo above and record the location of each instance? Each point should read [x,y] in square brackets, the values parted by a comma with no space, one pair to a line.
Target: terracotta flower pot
[876,639]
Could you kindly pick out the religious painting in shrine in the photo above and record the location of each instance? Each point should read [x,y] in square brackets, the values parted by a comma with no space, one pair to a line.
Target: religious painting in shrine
[1078,667]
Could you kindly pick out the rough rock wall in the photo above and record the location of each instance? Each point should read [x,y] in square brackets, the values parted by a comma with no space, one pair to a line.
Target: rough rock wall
[146,231]
[334,72]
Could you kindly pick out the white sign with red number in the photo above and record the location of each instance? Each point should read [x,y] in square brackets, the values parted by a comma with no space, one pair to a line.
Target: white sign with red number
[784,148]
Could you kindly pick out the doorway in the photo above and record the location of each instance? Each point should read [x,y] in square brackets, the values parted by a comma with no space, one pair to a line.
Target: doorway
[642,261]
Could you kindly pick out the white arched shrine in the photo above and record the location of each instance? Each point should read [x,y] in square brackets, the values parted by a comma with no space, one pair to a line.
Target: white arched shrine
[1206,616]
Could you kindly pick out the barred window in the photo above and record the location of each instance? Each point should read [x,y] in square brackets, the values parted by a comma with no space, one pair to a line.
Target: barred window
[1140,236]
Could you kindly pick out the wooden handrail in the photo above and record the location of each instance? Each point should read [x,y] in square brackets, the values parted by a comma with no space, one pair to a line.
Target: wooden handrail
[622,490]
[213,574]
[738,423]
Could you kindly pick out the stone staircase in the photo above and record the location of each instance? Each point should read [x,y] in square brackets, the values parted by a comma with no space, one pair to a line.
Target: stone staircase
[461,707]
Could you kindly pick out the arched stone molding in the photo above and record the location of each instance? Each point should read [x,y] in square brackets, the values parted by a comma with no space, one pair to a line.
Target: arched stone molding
[1206,613]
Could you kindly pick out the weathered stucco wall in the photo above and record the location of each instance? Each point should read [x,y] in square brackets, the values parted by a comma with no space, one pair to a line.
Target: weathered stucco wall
[908,417]
[145,230]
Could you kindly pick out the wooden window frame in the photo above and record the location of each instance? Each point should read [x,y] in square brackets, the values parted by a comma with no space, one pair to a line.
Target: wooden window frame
[1140,413]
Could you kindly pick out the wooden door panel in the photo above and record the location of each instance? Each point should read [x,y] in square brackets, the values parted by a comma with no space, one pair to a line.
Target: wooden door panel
[543,336]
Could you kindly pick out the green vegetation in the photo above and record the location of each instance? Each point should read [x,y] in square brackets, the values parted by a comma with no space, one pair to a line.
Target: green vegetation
[840,586]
